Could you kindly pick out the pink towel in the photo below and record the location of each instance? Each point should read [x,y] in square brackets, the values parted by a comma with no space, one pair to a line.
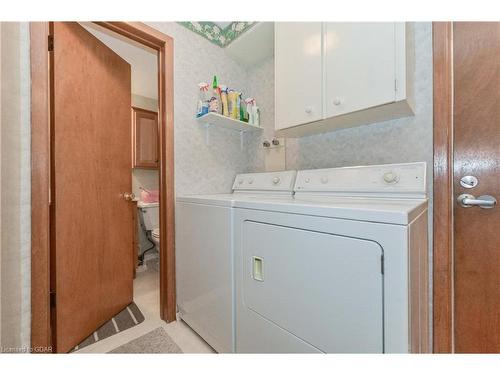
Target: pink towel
[150,196]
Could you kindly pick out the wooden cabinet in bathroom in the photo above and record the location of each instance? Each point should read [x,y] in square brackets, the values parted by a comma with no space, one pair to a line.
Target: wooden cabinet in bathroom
[334,75]
[144,139]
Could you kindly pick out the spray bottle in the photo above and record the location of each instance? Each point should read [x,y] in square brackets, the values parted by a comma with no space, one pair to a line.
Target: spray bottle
[202,105]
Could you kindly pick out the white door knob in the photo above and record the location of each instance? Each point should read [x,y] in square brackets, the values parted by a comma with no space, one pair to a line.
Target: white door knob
[337,101]
[128,196]
[308,110]
[276,180]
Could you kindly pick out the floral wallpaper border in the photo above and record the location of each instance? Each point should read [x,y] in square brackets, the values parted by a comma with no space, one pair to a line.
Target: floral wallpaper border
[216,34]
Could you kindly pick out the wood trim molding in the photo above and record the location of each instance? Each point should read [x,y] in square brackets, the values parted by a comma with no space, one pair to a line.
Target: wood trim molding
[443,188]
[40,175]
[40,187]
[167,209]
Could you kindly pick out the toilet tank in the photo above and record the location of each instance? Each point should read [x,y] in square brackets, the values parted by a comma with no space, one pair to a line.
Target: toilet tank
[149,215]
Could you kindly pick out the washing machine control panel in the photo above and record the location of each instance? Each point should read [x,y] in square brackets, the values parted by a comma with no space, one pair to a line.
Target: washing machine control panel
[276,181]
[394,178]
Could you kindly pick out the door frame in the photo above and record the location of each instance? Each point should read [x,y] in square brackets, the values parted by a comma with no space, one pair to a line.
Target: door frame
[41,113]
[442,35]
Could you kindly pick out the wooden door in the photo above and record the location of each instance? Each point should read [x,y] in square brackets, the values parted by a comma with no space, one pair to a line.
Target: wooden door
[145,131]
[298,54]
[476,73]
[91,221]
[360,65]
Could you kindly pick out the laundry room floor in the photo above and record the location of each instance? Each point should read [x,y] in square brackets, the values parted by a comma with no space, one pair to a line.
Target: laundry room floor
[146,297]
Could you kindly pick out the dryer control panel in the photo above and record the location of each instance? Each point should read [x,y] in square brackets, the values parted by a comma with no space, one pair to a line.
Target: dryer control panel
[408,180]
[267,181]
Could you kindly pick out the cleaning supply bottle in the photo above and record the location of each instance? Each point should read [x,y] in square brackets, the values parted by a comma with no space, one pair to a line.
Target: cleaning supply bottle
[249,114]
[256,114]
[232,98]
[223,95]
[243,110]
[202,105]
[215,101]
[237,115]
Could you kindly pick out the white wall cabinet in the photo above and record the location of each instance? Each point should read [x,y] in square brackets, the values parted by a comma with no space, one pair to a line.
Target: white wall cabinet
[336,75]
[298,72]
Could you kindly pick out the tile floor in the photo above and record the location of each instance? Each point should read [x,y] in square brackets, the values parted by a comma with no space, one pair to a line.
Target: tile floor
[147,298]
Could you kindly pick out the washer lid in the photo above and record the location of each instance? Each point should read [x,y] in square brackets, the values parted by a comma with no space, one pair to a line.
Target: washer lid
[211,199]
[228,200]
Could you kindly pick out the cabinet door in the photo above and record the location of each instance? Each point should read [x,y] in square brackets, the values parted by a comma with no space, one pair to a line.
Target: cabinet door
[145,129]
[298,73]
[360,66]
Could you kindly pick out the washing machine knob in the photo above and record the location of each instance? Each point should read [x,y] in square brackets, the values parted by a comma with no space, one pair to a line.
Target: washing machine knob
[240,181]
[250,181]
[276,180]
[324,180]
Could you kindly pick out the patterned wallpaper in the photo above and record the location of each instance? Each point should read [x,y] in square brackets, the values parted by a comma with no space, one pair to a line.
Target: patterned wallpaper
[215,33]
[202,168]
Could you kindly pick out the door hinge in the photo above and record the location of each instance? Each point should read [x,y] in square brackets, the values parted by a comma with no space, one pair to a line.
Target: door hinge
[52,294]
[51,43]
[382,264]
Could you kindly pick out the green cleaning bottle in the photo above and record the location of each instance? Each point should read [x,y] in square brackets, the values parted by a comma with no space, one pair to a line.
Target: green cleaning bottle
[216,104]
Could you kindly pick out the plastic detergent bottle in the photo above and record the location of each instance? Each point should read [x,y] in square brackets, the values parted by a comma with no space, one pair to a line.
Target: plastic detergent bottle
[243,110]
[202,105]
[215,102]
[249,114]
[232,98]
[255,114]
[223,97]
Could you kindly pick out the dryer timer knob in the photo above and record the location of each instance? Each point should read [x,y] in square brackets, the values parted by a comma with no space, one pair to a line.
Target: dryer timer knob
[391,178]
[276,180]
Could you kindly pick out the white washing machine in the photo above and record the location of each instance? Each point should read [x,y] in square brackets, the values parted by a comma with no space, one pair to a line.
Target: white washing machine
[204,254]
[341,268]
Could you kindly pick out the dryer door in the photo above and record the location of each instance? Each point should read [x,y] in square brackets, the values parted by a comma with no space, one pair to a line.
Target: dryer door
[310,290]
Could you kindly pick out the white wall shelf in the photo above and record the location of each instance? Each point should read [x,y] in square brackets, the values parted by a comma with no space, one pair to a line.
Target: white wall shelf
[225,122]
[216,120]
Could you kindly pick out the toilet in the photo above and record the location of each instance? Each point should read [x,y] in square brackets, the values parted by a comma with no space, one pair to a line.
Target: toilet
[150,221]
[155,236]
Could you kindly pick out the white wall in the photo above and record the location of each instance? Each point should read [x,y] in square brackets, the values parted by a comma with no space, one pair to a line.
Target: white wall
[15,186]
